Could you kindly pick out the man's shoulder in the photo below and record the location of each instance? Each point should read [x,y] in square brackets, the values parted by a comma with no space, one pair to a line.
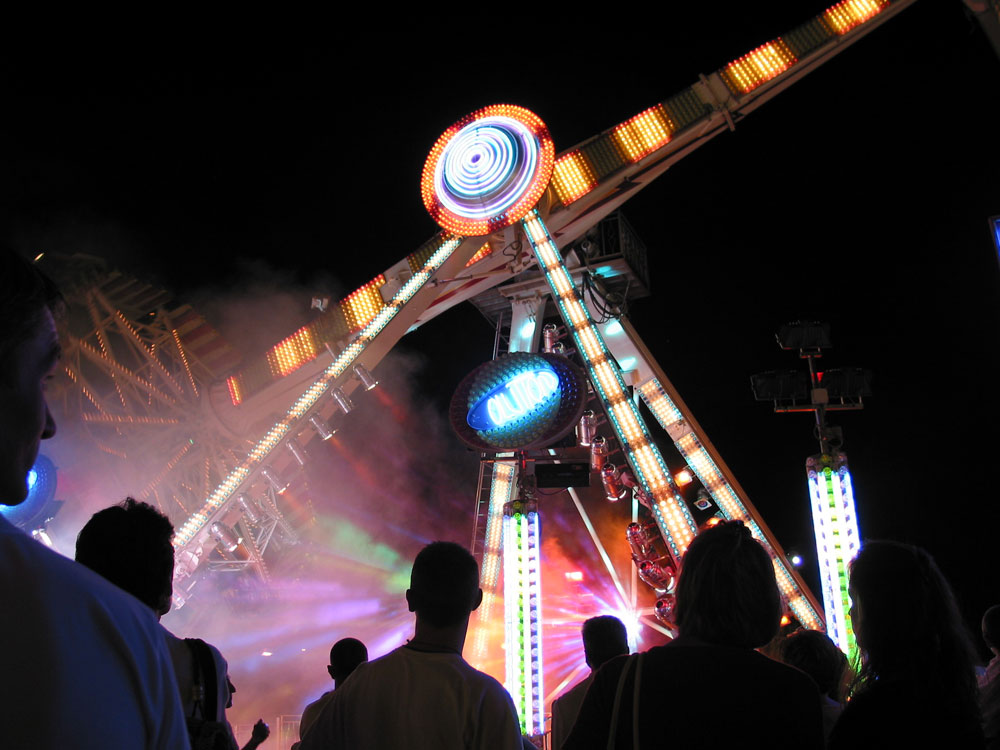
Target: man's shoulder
[30,569]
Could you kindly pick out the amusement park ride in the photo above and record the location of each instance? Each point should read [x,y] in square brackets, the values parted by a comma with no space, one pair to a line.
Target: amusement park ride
[506,202]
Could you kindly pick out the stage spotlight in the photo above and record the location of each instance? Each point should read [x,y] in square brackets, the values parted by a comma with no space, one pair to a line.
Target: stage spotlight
[795,559]
[251,511]
[342,400]
[683,478]
[274,479]
[366,378]
[614,490]
[226,536]
[296,450]
[657,576]
[322,427]
[639,541]
[586,429]
[665,609]
[598,453]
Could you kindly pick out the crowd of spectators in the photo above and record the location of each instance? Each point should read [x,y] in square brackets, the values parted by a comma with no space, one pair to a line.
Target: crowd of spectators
[86,664]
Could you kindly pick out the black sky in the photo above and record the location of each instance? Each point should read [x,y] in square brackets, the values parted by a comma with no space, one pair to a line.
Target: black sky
[860,197]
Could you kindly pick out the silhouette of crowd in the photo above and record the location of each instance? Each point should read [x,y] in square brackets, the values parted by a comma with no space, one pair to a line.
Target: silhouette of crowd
[86,663]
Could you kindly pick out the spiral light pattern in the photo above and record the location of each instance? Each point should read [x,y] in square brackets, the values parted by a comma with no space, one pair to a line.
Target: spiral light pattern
[487,170]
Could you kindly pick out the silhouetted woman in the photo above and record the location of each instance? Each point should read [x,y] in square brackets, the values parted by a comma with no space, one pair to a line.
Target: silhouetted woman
[708,688]
[916,686]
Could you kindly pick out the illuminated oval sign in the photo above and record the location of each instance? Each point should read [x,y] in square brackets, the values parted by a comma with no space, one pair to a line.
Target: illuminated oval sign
[518,401]
[519,398]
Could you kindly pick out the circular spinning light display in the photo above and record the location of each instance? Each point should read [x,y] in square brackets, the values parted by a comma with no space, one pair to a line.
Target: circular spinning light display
[488,170]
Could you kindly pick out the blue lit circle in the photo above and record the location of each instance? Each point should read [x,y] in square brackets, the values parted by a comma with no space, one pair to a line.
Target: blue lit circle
[486,168]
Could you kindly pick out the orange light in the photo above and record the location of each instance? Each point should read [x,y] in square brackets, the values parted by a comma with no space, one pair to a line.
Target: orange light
[293,352]
[713,521]
[644,133]
[573,177]
[363,304]
[785,620]
[574,575]
[850,14]
[683,477]
[480,254]
[758,67]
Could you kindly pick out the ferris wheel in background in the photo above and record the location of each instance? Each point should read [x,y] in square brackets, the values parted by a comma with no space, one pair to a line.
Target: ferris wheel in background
[138,377]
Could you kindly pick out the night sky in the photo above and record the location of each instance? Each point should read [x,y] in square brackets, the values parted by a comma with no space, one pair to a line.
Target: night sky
[859,197]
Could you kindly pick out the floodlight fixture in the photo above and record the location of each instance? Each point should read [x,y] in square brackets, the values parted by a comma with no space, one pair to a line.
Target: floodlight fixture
[226,536]
[614,489]
[586,429]
[322,427]
[251,511]
[598,452]
[368,380]
[550,335]
[805,335]
[342,399]
[297,451]
[274,479]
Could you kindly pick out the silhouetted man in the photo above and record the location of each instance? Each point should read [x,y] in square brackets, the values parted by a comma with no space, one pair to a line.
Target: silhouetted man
[345,656]
[603,638]
[424,694]
[130,544]
[83,665]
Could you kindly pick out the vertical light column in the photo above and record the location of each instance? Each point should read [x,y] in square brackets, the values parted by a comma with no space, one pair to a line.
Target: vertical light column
[522,615]
[831,496]
[501,493]
[669,415]
[672,516]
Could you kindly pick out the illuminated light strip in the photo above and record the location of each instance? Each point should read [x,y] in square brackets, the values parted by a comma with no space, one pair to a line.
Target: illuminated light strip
[184,360]
[850,14]
[501,492]
[837,542]
[672,516]
[714,481]
[235,392]
[307,400]
[573,177]
[644,133]
[758,67]
[522,618]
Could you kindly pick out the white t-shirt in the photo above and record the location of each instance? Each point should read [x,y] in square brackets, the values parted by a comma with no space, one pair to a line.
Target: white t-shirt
[183,659]
[82,663]
[415,699]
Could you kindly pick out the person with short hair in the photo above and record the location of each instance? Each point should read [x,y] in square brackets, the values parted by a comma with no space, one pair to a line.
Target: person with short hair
[345,656]
[708,688]
[916,686]
[84,665]
[603,639]
[819,657]
[424,694]
[130,544]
